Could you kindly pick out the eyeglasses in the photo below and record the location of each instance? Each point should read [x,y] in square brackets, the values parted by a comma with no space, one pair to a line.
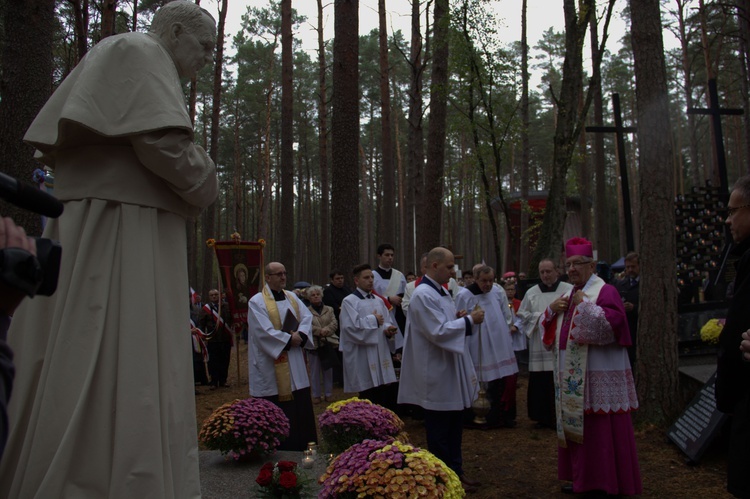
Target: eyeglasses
[575,264]
[278,273]
[732,211]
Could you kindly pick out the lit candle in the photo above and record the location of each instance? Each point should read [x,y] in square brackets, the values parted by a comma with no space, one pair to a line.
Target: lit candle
[308,460]
[313,448]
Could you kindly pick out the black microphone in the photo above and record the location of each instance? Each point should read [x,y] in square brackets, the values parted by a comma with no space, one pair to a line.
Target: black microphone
[28,197]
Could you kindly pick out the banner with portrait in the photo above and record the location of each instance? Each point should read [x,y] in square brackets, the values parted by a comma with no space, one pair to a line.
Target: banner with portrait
[241,270]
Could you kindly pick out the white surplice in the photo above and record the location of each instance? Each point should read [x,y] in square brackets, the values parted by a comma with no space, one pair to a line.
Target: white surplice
[266,343]
[490,345]
[365,348]
[436,369]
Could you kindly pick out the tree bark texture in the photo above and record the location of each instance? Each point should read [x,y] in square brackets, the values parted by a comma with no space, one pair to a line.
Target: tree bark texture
[415,165]
[286,232]
[345,193]
[657,375]
[325,217]
[523,264]
[387,213]
[431,228]
[25,85]
[566,130]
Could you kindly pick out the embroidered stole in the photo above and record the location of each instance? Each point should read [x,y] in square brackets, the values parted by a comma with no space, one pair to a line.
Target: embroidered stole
[281,365]
[570,378]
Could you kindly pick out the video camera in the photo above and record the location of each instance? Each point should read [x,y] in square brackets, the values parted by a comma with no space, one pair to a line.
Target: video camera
[18,268]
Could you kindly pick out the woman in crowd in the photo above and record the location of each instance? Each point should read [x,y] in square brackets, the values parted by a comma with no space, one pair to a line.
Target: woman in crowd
[324,327]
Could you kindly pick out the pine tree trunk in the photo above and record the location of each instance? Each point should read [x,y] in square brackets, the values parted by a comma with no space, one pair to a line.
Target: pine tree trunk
[657,375]
[431,228]
[414,176]
[325,217]
[551,236]
[109,11]
[523,264]
[286,234]
[25,85]
[387,213]
[345,193]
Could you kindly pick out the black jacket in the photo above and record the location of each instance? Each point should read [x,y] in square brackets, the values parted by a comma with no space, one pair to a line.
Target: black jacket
[733,373]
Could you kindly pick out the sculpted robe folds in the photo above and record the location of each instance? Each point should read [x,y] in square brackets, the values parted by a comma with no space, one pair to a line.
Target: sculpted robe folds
[103,404]
[367,356]
[266,344]
[490,340]
[436,369]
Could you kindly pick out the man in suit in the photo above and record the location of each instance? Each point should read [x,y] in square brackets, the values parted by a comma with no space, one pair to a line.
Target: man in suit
[628,287]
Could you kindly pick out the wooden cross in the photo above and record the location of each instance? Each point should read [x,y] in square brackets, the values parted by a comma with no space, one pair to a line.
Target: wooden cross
[620,132]
[716,111]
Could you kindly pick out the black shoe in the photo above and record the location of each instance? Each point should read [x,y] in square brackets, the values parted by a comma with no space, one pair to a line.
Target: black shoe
[567,488]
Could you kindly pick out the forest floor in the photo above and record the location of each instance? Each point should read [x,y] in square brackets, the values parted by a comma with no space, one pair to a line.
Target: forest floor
[522,462]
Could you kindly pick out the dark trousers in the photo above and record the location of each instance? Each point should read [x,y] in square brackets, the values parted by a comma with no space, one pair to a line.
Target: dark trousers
[738,463]
[299,411]
[384,395]
[444,434]
[502,395]
[540,401]
[219,354]
[199,369]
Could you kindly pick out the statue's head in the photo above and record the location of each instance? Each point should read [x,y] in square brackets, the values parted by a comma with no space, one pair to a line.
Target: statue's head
[188,32]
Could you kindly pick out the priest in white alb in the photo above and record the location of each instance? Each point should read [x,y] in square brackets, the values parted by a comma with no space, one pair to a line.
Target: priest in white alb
[279,328]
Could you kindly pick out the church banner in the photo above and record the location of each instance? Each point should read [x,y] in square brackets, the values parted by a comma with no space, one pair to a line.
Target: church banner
[241,270]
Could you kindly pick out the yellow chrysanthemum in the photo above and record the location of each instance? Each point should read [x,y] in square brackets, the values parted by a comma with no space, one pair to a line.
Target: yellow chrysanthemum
[337,406]
[711,330]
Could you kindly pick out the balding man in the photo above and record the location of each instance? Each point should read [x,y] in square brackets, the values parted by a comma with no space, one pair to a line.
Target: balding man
[279,327]
[437,373]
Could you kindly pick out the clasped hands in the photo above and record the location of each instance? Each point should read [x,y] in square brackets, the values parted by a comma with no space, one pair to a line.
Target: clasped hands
[561,304]
[477,315]
[296,339]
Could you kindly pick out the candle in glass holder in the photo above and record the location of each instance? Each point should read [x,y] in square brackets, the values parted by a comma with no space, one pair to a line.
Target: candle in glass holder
[307,459]
[313,448]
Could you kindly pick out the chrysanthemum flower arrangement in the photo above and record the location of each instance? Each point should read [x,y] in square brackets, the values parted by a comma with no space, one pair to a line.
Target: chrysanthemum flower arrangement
[281,480]
[245,427]
[711,330]
[388,468]
[350,421]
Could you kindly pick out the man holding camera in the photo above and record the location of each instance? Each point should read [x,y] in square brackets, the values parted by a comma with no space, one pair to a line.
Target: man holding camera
[14,238]
[103,402]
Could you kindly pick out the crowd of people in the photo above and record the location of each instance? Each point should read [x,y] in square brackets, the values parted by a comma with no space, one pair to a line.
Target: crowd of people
[424,343]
